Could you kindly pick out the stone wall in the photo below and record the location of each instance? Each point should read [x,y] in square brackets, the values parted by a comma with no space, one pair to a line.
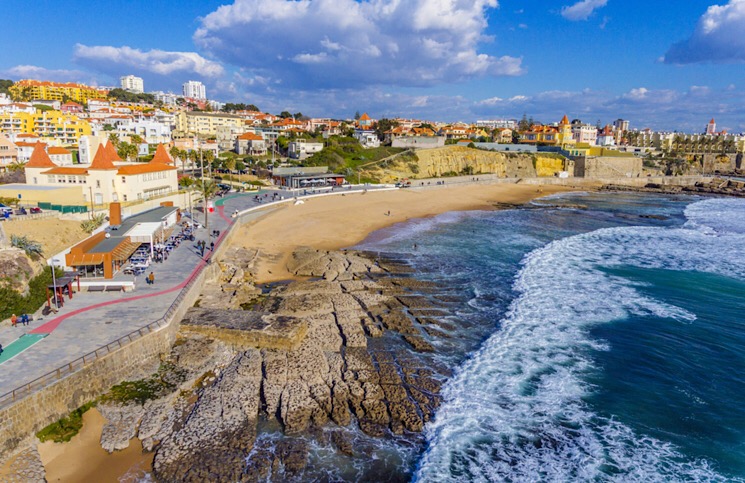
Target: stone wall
[133,361]
[607,167]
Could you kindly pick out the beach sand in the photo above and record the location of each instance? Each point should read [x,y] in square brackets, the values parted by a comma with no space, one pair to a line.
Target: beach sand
[334,222]
[83,459]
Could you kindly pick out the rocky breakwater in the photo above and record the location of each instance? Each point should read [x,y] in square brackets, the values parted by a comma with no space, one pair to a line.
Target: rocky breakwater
[346,349]
[715,186]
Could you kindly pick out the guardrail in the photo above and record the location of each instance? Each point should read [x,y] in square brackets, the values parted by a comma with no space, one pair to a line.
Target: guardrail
[55,375]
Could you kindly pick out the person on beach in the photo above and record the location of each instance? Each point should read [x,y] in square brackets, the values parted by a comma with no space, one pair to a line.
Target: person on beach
[13,320]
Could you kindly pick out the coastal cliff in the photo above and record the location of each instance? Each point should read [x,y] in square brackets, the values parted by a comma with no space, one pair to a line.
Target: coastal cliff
[458,160]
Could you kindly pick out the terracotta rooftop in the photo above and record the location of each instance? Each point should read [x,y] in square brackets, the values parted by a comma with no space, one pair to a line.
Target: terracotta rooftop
[161,156]
[113,155]
[249,136]
[57,150]
[102,159]
[40,158]
[67,170]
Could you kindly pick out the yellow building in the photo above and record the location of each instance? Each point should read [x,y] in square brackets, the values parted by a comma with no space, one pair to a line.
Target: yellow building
[66,128]
[28,89]
[206,122]
[565,137]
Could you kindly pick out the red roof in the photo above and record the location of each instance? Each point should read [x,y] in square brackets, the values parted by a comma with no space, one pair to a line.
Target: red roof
[58,150]
[40,158]
[67,170]
[113,155]
[161,156]
[102,159]
[564,120]
[249,136]
[364,117]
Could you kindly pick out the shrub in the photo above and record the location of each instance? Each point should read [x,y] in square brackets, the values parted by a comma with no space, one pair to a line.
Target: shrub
[13,302]
[31,247]
[89,226]
[63,430]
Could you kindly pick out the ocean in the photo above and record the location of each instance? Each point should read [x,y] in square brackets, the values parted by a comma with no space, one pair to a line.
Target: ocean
[603,339]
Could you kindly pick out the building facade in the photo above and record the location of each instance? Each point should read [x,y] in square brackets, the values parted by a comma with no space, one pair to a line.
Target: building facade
[206,123]
[132,84]
[194,89]
[28,89]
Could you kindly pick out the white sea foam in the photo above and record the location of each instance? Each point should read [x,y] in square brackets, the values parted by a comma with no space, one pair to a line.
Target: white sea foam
[515,410]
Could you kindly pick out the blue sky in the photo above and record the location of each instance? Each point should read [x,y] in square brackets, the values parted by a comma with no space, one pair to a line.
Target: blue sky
[664,65]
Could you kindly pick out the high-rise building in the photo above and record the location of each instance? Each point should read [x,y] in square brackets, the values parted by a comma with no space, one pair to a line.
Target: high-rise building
[132,84]
[621,125]
[195,90]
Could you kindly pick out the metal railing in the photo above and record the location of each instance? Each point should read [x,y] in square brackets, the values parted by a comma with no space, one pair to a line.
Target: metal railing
[55,375]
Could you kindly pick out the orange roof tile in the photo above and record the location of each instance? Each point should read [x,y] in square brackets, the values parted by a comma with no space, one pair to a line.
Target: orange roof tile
[40,158]
[161,156]
[23,144]
[27,136]
[564,120]
[102,159]
[58,150]
[143,168]
[67,170]
[364,117]
[249,136]
[113,155]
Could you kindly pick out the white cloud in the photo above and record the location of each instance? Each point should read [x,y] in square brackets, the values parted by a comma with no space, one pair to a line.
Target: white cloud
[718,37]
[115,60]
[582,9]
[349,43]
[34,72]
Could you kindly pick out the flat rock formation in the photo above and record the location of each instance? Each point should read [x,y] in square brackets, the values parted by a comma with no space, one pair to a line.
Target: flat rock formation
[360,333]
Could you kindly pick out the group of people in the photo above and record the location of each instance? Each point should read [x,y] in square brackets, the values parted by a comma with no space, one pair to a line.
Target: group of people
[24,319]
[160,255]
[202,246]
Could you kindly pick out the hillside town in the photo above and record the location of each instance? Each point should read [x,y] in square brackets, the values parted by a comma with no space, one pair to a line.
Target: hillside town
[70,121]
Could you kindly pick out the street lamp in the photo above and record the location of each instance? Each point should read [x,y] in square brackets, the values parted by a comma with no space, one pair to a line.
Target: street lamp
[54,283]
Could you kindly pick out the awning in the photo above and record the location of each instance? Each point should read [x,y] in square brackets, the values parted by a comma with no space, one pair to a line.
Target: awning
[78,260]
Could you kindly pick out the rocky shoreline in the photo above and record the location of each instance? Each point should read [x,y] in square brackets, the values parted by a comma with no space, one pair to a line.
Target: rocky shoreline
[717,186]
[347,348]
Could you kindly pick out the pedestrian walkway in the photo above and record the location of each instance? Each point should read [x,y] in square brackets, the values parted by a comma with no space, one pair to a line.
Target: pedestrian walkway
[19,345]
[92,320]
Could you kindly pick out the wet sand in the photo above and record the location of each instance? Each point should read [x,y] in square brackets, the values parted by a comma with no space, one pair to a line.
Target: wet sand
[83,459]
[334,222]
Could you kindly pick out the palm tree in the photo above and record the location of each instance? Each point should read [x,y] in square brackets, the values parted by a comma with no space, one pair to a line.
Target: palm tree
[31,247]
[209,188]
[187,182]
[176,155]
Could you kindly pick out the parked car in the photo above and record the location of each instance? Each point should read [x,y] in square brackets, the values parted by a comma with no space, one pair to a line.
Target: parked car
[5,209]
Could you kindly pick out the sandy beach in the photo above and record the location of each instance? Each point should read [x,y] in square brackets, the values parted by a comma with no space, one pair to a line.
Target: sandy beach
[83,459]
[334,222]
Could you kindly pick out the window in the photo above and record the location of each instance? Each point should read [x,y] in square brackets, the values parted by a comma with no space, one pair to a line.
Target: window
[98,183]
[125,197]
[124,179]
[36,181]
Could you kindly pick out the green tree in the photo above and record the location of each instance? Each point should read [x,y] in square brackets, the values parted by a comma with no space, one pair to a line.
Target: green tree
[285,114]
[357,115]
[384,125]
[240,165]
[114,138]
[253,107]
[5,85]
[523,125]
[188,182]
[136,139]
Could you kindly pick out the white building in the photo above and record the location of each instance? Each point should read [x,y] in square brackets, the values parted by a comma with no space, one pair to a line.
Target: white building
[367,138]
[167,98]
[194,89]
[301,149]
[585,133]
[103,180]
[88,145]
[497,124]
[132,84]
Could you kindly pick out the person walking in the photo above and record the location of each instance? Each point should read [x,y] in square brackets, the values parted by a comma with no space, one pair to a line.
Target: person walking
[212,246]
[151,278]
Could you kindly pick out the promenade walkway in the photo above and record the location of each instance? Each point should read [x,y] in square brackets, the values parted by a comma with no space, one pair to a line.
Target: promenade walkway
[92,320]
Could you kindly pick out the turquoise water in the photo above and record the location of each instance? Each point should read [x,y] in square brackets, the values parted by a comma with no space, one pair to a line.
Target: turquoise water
[598,344]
